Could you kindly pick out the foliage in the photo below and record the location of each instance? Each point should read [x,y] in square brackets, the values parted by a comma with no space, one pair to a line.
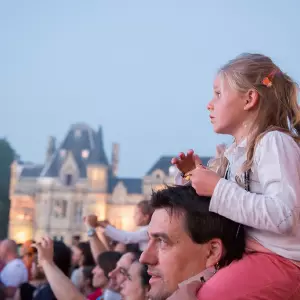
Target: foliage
[7,156]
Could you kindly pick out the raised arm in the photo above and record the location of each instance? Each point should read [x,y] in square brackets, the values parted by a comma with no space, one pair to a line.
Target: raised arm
[61,285]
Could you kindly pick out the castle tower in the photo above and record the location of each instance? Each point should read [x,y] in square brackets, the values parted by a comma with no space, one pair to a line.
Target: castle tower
[51,148]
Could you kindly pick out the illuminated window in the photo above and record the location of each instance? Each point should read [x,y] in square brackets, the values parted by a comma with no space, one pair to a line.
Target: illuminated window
[98,174]
[85,153]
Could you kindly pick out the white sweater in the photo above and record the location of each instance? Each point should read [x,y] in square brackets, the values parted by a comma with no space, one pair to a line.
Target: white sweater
[125,237]
[272,209]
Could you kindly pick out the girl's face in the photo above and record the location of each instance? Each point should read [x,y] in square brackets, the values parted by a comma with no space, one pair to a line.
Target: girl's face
[37,272]
[77,256]
[132,288]
[228,110]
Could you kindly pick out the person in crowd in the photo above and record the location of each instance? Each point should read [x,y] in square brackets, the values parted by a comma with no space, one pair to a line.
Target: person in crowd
[86,285]
[27,253]
[61,257]
[119,275]
[258,181]
[142,217]
[2,264]
[187,242]
[38,279]
[61,285]
[136,286]
[81,254]
[14,272]
[75,240]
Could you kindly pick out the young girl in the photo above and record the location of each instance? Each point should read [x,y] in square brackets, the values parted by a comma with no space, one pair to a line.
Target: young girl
[256,103]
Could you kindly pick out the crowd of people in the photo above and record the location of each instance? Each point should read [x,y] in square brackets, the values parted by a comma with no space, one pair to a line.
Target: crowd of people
[229,230]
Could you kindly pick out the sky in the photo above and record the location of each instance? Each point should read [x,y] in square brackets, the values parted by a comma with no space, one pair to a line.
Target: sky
[143,70]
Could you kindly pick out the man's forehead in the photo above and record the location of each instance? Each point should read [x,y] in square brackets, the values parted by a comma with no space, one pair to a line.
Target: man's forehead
[170,223]
[125,260]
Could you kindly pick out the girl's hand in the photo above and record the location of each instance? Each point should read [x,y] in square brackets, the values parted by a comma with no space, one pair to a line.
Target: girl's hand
[185,162]
[45,250]
[203,180]
[91,221]
[187,291]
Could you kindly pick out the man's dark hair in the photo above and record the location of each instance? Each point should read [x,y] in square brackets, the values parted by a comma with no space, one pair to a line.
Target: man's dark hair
[107,261]
[62,256]
[201,224]
[86,251]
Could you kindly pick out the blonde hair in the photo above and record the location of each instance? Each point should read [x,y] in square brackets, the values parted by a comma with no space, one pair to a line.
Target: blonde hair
[278,107]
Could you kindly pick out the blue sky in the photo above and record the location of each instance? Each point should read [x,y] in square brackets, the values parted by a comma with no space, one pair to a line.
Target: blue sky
[141,69]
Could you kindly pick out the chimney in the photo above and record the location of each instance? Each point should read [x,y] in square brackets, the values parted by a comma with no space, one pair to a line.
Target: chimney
[51,148]
[115,158]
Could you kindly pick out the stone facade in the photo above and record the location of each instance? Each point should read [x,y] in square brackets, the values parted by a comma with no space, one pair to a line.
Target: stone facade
[77,179]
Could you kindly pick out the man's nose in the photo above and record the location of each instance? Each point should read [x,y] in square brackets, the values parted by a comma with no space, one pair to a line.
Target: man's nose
[149,255]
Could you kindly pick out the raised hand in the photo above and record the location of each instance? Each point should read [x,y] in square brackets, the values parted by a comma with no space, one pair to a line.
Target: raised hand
[185,162]
[45,250]
[203,180]
[91,221]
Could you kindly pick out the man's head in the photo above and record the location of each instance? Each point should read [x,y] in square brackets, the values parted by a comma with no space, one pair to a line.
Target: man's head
[185,239]
[106,262]
[118,275]
[8,250]
[142,213]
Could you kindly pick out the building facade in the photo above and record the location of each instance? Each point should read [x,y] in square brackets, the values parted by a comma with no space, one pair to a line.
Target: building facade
[77,179]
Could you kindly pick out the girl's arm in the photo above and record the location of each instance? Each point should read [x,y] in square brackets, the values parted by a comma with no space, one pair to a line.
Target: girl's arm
[277,209]
[126,237]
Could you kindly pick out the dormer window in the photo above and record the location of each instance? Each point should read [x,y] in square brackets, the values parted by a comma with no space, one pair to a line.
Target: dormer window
[85,153]
[62,153]
[68,179]
[172,171]
[77,133]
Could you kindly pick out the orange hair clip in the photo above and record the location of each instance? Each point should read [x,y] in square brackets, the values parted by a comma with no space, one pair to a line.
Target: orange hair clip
[267,81]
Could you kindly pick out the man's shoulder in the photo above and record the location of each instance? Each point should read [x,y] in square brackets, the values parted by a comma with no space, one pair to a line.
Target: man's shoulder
[16,263]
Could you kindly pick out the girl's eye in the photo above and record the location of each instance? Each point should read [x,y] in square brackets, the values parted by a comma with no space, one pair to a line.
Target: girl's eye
[218,94]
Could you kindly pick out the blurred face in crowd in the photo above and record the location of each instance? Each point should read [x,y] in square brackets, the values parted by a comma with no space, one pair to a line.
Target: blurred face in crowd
[172,256]
[37,272]
[119,247]
[118,275]
[132,288]
[77,256]
[139,218]
[3,251]
[99,278]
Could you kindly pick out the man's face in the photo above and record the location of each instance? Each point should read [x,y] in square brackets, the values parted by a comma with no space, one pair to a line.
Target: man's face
[171,255]
[118,275]
[3,251]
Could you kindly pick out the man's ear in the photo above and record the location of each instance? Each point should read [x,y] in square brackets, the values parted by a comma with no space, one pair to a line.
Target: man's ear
[215,252]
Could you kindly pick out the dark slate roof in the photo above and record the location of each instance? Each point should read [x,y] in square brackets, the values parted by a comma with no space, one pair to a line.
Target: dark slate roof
[164,163]
[133,185]
[80,137]
[31,170]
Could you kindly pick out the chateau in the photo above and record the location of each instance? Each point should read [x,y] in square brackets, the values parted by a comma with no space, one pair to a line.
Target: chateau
[77,179]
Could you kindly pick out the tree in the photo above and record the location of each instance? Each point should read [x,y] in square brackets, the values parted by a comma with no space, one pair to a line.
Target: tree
[7,155]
